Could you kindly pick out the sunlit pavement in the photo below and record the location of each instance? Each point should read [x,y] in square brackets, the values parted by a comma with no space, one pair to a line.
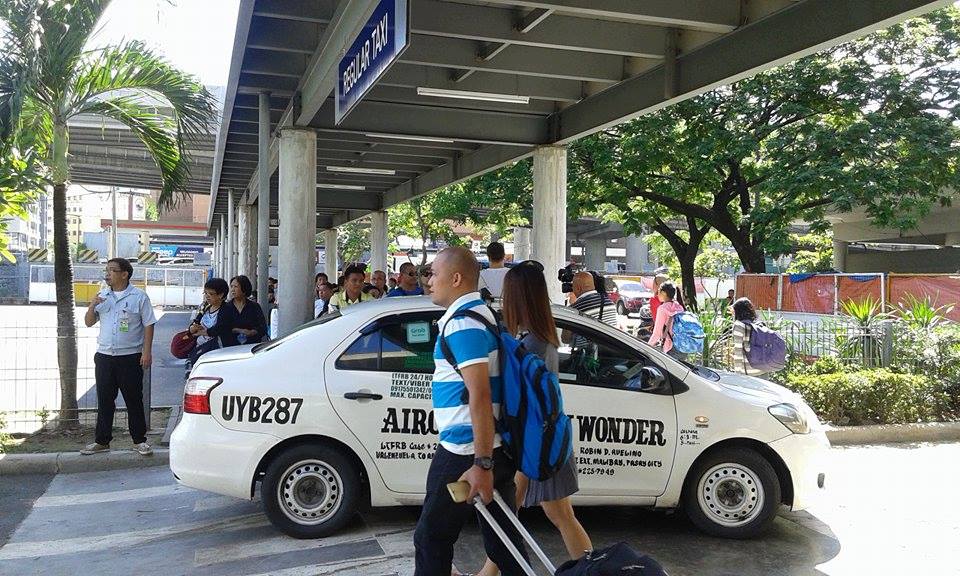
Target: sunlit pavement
[888,509]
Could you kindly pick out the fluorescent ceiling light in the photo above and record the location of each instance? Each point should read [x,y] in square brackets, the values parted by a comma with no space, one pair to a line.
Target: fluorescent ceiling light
[341,186]
[359,170]
[467,95]
[405,137]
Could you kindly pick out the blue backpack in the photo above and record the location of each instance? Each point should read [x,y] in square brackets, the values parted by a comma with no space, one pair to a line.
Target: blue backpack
[687,333]
[537,433]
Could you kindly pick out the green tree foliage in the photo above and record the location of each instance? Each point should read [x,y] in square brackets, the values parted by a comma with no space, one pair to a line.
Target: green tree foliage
[353,239]
[58,78]
[870,123]
[813,253]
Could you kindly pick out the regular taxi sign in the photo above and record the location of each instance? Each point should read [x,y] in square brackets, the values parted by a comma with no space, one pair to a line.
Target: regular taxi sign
[377,46]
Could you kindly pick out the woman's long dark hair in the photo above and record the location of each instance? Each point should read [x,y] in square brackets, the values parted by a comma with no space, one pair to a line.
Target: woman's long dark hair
[743,310]
[526,302]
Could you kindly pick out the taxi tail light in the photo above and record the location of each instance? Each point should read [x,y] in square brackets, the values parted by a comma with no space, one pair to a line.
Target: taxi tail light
[196,394]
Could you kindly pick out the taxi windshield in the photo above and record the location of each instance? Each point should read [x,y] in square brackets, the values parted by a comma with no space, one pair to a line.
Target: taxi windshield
[296,332]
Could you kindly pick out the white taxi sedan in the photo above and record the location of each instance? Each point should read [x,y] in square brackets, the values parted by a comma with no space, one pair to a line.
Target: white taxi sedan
[338,413]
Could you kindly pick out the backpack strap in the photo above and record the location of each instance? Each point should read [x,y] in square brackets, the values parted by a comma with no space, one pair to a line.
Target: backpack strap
[490,326]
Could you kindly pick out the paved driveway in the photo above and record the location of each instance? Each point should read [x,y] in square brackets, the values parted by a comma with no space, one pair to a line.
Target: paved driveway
[888,510]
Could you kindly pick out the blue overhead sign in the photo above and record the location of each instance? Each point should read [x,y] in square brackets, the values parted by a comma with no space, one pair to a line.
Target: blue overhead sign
[380,42]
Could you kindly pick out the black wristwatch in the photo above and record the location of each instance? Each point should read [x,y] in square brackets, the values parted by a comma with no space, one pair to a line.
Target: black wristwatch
[484,462]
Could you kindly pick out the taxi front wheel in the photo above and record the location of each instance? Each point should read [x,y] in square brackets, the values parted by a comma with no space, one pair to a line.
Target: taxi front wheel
[310,491]
[732,493]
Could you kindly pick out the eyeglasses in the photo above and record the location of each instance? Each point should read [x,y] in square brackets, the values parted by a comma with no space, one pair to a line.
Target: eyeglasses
[412,273]
[113,269]
[426,273]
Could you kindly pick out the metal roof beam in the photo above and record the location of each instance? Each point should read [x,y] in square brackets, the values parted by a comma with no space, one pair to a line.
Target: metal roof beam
[500,25]
[408,95]
[542,62]
[467,166]
[347,200]
[318,12]
[412,76]
[463,125]
[284,35]
[270,63]
[784,36]
[711,15]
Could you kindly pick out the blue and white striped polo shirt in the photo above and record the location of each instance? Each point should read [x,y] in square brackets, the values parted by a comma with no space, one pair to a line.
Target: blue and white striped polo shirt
[470,343]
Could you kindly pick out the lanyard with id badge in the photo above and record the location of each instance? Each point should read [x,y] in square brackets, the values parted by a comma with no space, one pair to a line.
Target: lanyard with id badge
[124,319]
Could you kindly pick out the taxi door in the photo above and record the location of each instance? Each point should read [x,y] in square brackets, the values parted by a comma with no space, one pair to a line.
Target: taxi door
[379,383]
[624,430]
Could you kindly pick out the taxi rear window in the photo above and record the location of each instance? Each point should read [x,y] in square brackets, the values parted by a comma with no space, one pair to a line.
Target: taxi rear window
[266,346]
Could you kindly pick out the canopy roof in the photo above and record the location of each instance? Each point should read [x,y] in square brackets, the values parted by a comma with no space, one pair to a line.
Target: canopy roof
[580,66]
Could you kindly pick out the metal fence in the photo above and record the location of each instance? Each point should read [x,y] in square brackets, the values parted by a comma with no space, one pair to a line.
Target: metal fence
[29,373]
[848,343]
[165,285]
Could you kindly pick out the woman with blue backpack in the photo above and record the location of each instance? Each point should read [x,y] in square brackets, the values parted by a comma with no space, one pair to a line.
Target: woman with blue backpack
[526,313]
[662,336]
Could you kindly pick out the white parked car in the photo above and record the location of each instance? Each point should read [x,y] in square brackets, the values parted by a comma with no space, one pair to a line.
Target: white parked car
[339,413]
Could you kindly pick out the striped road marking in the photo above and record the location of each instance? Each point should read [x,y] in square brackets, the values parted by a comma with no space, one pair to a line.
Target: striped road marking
[117,496]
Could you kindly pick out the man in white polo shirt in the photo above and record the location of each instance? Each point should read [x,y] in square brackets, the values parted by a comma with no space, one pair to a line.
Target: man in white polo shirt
[123,351]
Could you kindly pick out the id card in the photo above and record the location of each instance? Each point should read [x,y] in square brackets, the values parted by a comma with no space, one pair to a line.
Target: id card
[124,321]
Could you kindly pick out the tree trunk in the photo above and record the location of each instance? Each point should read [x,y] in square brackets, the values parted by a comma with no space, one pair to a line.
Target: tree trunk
[63,279]
[688,279]
[753,259]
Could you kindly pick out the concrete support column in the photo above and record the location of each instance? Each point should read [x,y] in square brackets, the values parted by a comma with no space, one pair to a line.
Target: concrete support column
[330,253]
[298,226]
[521,244]
[243,237]
[549,234]
[263,199]
[595,253]
[222,268]
[840,255]
[378,241]
[215,262]
[252,241]
[638,253]
[231,268]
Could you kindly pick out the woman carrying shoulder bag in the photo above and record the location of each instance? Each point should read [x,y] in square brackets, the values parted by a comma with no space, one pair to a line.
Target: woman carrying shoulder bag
[212,325]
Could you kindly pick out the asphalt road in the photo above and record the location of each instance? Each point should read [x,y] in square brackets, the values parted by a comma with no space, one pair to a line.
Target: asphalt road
[887,510]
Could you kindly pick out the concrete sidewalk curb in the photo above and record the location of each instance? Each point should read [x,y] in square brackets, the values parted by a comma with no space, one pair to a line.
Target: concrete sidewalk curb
[893,433]
[71,462]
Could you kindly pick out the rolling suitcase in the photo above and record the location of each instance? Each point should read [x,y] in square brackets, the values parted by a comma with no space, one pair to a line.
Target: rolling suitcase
[459,492]
[619,559]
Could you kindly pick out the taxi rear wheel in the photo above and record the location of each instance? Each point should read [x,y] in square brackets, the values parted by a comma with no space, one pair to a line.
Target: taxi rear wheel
[310,491]
[732,493]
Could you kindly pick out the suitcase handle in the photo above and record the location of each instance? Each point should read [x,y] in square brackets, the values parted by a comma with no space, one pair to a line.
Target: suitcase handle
[459,491]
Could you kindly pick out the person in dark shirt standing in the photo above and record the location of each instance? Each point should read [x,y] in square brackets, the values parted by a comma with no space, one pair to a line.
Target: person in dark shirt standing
[247,323]
[407,282]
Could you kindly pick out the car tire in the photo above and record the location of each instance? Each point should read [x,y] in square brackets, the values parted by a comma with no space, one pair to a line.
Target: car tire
[732,493]
[310,491]
[621,309]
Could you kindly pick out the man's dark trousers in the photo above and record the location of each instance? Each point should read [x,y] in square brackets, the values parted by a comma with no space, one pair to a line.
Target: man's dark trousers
[125,375]
[442,519]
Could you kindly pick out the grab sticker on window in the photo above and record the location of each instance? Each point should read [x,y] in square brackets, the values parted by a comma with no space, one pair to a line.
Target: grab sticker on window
[418,332]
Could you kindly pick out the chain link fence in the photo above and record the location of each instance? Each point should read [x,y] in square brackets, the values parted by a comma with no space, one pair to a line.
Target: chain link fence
[29,374]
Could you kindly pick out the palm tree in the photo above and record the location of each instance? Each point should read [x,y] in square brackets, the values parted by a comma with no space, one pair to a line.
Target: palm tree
[163,107]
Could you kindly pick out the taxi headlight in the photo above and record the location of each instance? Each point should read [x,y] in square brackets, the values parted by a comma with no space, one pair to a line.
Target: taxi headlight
[790,416]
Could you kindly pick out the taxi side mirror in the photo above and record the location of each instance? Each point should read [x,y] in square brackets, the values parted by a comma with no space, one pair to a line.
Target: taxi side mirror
[652,379]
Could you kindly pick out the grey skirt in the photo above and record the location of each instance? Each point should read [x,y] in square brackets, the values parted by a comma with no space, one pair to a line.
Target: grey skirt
[562,484]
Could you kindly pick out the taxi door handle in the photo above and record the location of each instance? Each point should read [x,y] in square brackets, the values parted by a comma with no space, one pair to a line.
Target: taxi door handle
[362,396]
